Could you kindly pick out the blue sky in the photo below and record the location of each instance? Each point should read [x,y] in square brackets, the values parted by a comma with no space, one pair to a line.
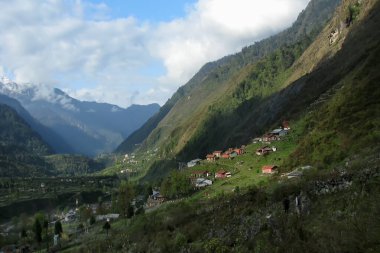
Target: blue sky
[150,10]
[131,51]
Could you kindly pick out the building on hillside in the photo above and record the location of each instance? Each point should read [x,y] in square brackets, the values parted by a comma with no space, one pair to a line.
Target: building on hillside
[294,173]
[199,174]
[70,216]
[202,182]
[211,157]
[270,137]
[257,139]
[155,199]
[264,150]
[194,162]
[226,155]
[279,132]
[222,174]
[285,125]
[239,151]
[269,169]
[217,153]
[110,216]
[233,154]
[298,172]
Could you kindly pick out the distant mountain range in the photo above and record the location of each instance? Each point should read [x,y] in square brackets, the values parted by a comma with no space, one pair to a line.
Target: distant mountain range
[70,125]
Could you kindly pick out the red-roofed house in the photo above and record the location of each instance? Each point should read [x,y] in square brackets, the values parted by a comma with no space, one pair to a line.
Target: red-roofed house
[239,151]
[217,153]
[226,155]
[201,173]
[269,169]
[221,174]
[211,157]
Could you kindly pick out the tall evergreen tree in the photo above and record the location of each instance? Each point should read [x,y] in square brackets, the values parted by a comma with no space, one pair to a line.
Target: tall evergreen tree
[37,230]
[58,228]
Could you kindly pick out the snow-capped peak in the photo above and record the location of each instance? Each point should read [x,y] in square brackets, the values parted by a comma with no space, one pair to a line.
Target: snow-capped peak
[28,92]
[5,80]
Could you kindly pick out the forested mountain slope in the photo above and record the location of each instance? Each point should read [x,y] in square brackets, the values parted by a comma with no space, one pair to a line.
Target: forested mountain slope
[180,117]
[333,205]
[21,147]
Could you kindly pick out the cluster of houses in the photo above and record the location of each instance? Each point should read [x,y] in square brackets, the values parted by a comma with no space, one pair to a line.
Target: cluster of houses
[274,135]
[231,153]
[202,179]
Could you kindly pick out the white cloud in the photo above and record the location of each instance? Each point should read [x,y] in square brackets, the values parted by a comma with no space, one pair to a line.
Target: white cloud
[214,28]
[77,46]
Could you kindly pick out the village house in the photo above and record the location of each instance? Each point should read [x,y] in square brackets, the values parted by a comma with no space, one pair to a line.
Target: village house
[226,155]
[285,125]
[217,153]
[202,182]
[265,150]
[270,137]
[222,174]
[199,174]
[194,162]
[239,151]
[257,139]
[70,216]
[233,154]
[268,169]
[110,216]
[294,174]
[279,132]
[211,157]
[298,172]
[155,199]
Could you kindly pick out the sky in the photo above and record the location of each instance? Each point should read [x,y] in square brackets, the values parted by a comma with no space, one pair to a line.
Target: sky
[129,51]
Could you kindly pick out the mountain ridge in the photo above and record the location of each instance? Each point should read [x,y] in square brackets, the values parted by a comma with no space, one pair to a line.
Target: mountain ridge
[213,76]
[89,128]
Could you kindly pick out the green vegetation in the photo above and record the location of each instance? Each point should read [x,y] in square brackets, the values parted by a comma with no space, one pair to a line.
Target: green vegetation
[254,220]
[20,147]
[354,11]
[332,206]
[70,165]
[176,185]
[334,112]
[125,196]
[183,114]
[15,130]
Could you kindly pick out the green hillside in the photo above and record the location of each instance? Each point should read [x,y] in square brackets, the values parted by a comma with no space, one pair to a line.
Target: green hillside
[182,115]
[21,148]
[72,165]
[333,206]
[229,110]
[263,95]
